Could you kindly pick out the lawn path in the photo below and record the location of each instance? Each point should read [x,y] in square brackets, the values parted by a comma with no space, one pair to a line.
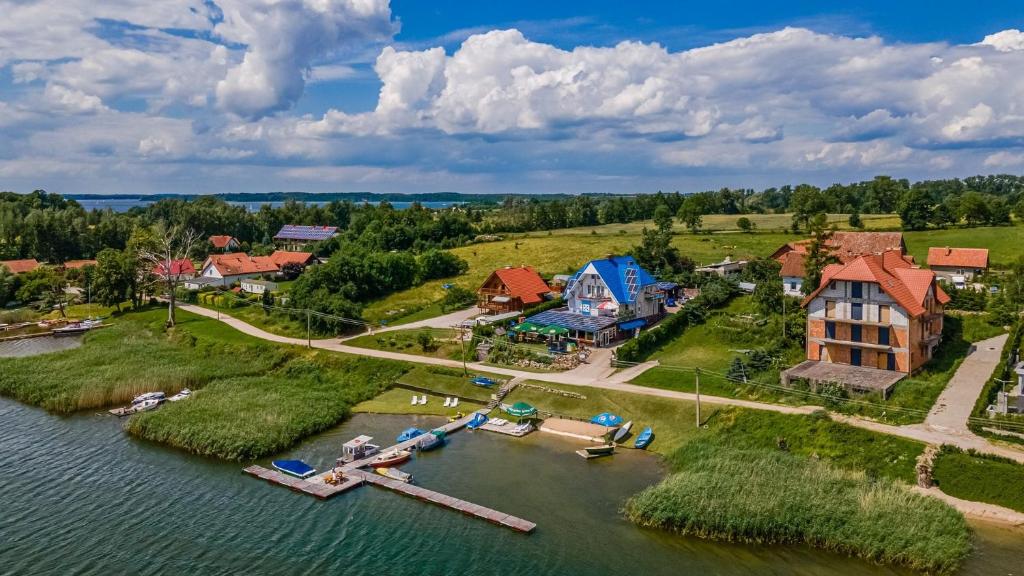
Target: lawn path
[584,376]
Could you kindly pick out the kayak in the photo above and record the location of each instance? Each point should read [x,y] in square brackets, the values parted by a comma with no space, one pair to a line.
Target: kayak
[621,433]
[644,439]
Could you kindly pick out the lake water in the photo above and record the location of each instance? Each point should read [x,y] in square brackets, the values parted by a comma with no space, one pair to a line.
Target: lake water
[81,497]
[38,345]
[124,205]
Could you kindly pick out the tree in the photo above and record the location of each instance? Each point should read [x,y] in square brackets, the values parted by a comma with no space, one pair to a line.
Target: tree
[915,209]
[267,299]
[46,285]
[819,255]
[691,212]
[1018,210]
[768,296]
[744,224]
[8,285]
[457,297]
[974,209]
[171,246]
[806,203]
[426,340]
[737,372]
[655,251]
[436,263]
[114,275]
[855,222]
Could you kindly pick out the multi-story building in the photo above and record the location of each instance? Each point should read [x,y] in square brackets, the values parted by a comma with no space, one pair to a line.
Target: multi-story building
[511,290]
[845,246]
[877,311]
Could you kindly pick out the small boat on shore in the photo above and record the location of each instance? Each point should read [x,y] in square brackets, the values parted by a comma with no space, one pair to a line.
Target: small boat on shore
[395,474]
[183,395]
[391,458]
[622,432]
[644,439]
[158,396]
[409,434]
[296,468]
[602,450]
[478,420]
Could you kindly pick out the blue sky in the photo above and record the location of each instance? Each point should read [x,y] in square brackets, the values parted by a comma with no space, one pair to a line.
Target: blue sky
[201,96]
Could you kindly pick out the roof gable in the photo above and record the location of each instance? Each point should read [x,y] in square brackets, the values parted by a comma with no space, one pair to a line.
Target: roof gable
[523,283]
[621,274]
[20,266]
[283,257]
[222,241]
[238,263]
[906,285]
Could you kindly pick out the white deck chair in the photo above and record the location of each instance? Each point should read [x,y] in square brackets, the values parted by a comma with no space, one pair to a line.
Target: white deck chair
[447,401]
[413,403]
[423,399]
[455,402]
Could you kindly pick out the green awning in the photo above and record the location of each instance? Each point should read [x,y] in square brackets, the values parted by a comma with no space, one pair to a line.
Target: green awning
[527,327]
[554,331]
[521,409]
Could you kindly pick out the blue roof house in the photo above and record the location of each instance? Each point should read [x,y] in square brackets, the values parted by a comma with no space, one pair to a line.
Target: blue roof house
[607,298]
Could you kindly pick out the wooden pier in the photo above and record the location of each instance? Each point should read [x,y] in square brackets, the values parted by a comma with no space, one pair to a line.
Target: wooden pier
[354,476]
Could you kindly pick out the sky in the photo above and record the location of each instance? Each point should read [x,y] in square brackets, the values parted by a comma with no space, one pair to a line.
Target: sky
[207,96]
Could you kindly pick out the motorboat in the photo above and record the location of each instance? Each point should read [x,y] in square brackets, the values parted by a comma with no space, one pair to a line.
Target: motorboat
[483,381]
[622,432]
[183,395]
[409,434]
[157,396]
[478,420]
[431,441]
[600,450]
[71,329]
[145,405]
[296,468]
[390,458]
[644,439]
[522,429]
[395,474]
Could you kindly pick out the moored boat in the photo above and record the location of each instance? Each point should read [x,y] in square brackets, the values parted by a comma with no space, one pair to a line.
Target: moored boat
[623,431]
[390,458]
[145,405]
[478,420]
[429,442]
[395,474]
[184,394]
[409,434]
[296,468]
[70,329]
[158,396]
[600,450]
[644,439]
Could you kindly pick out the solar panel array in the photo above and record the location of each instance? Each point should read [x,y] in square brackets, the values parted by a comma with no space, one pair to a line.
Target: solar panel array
[315,233]
[632,285]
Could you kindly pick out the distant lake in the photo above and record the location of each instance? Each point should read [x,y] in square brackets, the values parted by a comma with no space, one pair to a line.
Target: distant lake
[126,204]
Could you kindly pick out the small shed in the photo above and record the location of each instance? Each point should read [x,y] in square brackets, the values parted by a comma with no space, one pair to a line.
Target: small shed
[256,286]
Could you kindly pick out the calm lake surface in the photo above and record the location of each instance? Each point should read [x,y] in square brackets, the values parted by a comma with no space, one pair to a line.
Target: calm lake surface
[126,204]
[38,345]
[81,497]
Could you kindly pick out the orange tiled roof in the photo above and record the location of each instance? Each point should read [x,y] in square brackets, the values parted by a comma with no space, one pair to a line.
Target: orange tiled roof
[897,277]
[72,264]
[238,263]
[183,267]
[793,265]
[221,241]
[523,283]
[19,266]
[282,257]
[848,245]
[965,257]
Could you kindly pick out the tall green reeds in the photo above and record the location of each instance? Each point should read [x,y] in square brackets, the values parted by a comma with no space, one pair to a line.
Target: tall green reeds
[767,496]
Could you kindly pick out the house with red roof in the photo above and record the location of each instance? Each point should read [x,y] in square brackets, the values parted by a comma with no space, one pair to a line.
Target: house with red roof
[511,290]
[20,266]
[958,265]
[284,257]
[870,322]
[225,243]
[181,268]
[78,264]
[845,246]
[227,269]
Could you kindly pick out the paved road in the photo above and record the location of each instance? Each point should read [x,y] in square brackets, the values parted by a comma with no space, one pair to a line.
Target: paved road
[955,404]
[584,376]
[443,321]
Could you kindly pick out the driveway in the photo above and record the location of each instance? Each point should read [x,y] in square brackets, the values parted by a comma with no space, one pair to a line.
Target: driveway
[955,404]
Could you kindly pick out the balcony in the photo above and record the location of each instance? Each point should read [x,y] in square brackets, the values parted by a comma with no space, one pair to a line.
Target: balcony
[868,345]
[862,322]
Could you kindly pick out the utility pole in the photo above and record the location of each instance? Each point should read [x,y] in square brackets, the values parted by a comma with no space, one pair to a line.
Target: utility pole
[697,381]
[462,343]
[783,316]
[309,337]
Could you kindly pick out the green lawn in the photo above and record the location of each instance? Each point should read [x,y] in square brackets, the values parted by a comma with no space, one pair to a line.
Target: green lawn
[980,478]
[1003,242]
[275,322]
[406,341]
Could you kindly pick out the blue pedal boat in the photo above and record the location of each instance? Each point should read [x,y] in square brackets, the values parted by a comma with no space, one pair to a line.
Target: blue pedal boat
[296,468]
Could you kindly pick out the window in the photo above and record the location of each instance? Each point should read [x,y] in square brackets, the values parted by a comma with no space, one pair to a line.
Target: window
[830,309]
[883,314]
[855,332]
[830,330]
[857,311]
[857,289]
[890,361]
[855,357]
[832,285]
[883,335]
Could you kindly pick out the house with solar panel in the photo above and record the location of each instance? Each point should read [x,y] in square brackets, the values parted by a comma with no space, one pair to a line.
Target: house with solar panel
[294,238]
[607,299]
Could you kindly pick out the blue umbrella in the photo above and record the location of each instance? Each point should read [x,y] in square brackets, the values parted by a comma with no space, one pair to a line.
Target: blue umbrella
[606,419]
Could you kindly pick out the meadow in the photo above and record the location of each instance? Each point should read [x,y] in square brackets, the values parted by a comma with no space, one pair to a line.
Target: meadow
[980,478]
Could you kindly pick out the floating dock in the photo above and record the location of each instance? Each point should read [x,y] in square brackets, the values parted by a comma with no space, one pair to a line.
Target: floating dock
[353,477]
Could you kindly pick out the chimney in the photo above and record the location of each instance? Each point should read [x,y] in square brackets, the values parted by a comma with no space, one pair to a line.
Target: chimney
[948,250]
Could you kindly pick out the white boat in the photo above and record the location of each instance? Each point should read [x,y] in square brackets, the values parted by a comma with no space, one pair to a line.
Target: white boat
[158,396]
[146,405]
[622,432]
[184,394]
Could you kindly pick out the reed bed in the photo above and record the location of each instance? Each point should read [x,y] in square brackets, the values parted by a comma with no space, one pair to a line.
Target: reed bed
[249,417]
[770,496]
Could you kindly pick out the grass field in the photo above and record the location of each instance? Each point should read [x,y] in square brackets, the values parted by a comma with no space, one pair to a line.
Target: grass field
[980,478]
[406,341]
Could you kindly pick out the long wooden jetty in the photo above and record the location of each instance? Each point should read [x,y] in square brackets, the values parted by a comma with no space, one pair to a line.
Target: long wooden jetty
[354,476]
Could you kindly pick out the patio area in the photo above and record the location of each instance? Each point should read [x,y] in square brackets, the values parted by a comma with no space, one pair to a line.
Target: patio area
[854,378]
